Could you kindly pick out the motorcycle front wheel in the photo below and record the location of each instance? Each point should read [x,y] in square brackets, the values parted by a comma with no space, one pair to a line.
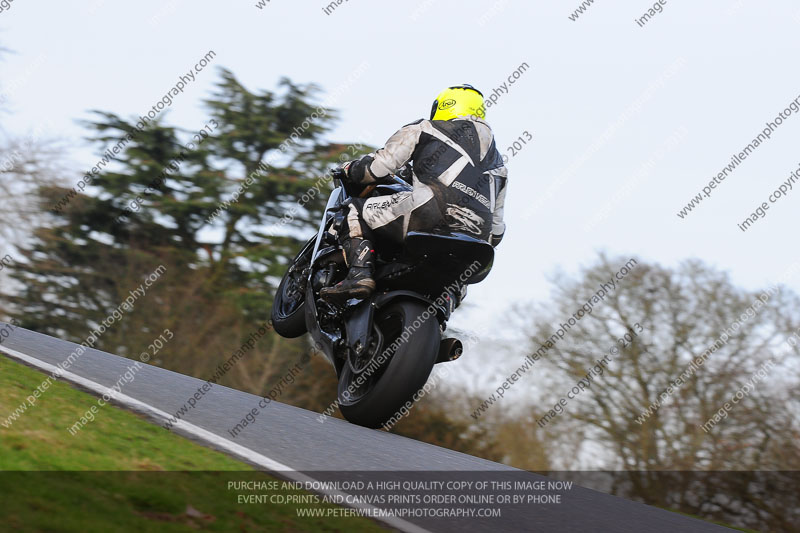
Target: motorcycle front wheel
[288,308]
[397,369]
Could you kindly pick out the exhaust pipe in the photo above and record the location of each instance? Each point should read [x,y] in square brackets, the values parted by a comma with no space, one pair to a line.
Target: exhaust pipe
[449,350]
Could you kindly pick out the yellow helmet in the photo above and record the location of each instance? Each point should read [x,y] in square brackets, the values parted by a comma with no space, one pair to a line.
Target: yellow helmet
[458,101]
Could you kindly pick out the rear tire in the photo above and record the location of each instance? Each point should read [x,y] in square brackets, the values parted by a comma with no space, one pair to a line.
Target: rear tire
[289,306]
[405,373]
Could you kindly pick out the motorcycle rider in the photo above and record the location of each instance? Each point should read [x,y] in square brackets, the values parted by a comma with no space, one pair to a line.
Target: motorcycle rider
[458,184]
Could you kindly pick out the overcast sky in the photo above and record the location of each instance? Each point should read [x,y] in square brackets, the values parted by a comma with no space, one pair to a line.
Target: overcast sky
[629,122]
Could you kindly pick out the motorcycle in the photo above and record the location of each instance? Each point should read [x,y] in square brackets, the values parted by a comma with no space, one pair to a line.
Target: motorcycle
[383,348]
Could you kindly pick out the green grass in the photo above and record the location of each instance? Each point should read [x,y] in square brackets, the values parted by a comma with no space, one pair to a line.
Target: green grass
[122,473]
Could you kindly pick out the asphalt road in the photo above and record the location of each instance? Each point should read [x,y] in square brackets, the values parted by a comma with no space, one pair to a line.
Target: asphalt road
[294,444]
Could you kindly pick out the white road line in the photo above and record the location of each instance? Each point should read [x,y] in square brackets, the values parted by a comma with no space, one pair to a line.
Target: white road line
[212,438]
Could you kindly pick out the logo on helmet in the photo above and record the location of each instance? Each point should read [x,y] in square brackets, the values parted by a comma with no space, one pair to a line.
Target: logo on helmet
[447,104]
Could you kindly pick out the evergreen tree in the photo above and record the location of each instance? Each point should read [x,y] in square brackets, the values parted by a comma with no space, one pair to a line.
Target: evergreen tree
[222,207]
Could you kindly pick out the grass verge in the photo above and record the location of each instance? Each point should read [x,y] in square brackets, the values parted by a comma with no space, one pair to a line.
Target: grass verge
[122,473]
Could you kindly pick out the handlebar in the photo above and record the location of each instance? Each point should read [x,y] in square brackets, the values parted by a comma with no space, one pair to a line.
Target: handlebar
[339,175]
[360,191]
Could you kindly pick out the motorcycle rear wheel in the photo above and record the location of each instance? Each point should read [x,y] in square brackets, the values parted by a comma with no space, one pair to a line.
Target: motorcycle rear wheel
[371,399]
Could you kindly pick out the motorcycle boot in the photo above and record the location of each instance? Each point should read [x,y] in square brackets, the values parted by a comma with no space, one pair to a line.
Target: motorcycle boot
[360,256]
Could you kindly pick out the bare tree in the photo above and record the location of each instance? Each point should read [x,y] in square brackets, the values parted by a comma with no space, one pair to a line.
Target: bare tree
[675,371]
[26,164]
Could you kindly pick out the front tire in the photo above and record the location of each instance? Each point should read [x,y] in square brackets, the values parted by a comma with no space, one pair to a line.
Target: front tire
[381,394]
[289,306]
